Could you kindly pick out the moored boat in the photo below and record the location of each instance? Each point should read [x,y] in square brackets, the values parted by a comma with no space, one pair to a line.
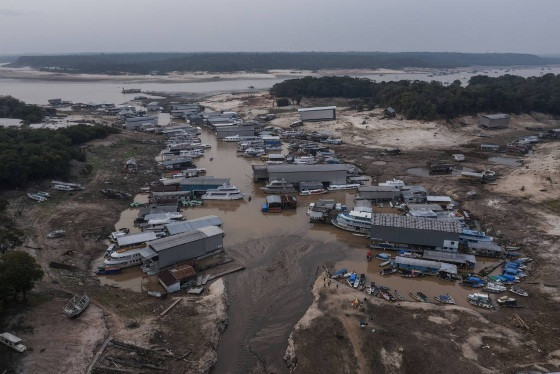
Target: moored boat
[279,187]
[108,270]
[415,297]
[494,287]
[338,187]
[510,302]
[317,191]
[225,192]
[422,297]
[481,300]
[399,296]
[385,263]
[12,341]
[354,221]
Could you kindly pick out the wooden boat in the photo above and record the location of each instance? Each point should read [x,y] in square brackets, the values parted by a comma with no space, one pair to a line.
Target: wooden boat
[509,302]
[108,270]
[36,197]
[56,234]
[423,297]
[12,341]
[76,306]
[518,291]
[415,297]
[388,271]
[356,283]
[445,299]
[399,296]
[362,278]
[385,263]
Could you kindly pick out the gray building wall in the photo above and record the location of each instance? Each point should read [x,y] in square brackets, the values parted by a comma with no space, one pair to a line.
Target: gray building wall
[318,115]
[495,121]
[195,249]
[331,176]
[410,236]
[222,132]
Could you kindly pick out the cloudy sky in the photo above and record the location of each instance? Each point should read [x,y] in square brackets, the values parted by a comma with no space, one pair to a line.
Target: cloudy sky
[62,26]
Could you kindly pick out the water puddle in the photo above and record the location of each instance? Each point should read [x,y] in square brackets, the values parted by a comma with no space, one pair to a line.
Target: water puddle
[508,161]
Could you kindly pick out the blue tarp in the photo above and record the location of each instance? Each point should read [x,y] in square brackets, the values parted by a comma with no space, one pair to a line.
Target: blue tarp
[511,271]
[474,280]
[384,256]
[509,277]
[353,277]
[341,272]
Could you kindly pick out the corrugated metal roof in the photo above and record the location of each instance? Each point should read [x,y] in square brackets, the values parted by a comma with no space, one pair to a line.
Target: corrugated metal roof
[394,220]
[378,189]
[193,224]
[438,199]
[204,181]
[136,238]
[167,278]
[448,256]
[316,108]
[176,240]
[305,168]
[441,266]
[212,230]
[177,161]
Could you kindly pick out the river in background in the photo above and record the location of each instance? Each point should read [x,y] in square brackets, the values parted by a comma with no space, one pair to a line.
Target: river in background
[38,91]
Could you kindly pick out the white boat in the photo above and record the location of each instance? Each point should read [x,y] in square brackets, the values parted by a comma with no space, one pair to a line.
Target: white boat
[481,300]
[393,183]
[317,191]
[193,153]
[43,194]
[234,138]
[494,287]
[62,187]
[279,187]
[76,306]
[305,160]
[36,197]
[225,192]
[12,341]
[337,187]
[125,258]
[518,291]
[354,221]
[254,152]
[385,263]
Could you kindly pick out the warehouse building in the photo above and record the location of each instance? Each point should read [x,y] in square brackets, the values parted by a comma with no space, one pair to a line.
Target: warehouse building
[193,245]
[202,184]
[242,130]
[494,121]
[326,113]
[425,266]
[460,259]
[135,240]
[379,193]
[442,234]
[295,174]
[182,162]
[180,227]
[489,249]
[134,123]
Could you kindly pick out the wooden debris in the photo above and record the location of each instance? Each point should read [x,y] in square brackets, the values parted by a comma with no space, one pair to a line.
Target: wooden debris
[170,307]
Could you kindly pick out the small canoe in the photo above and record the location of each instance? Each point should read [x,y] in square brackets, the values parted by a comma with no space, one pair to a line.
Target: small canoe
[445,299]
[388,271]
[385,263]
[399,296]
[415,297]
[422,297]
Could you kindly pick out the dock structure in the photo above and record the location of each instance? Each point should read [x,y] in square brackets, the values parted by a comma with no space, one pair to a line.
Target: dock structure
[296,174]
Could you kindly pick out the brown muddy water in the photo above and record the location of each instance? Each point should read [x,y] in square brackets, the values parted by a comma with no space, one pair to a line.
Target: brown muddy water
[283,254]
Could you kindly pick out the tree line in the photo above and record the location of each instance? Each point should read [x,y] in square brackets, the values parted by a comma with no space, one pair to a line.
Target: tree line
[35,154]
[163,63]
[11,107]
[433,100]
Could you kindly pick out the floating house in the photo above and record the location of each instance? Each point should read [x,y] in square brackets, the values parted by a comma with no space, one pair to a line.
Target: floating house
[202,184]
[442,234]
[193,245]
[425,266]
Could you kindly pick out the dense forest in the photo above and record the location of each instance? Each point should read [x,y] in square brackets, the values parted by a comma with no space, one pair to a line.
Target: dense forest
[431,100]
[11,107]
[162,63]
[27,154]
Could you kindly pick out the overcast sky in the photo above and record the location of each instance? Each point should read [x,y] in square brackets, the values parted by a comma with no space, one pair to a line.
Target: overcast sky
[63,26]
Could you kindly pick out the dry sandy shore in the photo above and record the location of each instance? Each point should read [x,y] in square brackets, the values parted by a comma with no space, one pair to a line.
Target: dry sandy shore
[178,77]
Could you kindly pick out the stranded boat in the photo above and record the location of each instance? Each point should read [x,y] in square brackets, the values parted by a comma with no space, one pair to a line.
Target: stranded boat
[12,341]
[445,299]
[388,271]
[278,187]
[494,287]
[510,302]
[36,197]
[518,291]
[225,192]
[481,300]
[399,296]
[422,297]
[354,221]
[76,306]
[125,258]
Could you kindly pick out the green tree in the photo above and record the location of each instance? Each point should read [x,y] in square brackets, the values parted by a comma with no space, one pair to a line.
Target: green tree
[18,273]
